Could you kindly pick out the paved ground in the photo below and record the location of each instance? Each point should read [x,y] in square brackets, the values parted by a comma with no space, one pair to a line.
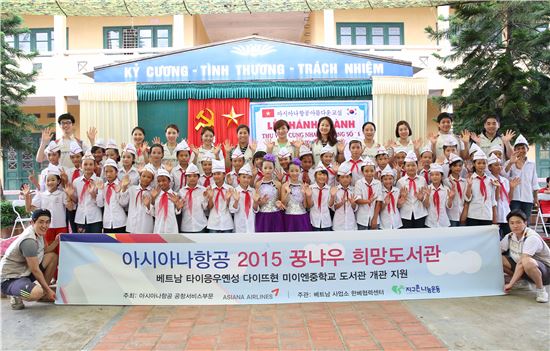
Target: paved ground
[513,322]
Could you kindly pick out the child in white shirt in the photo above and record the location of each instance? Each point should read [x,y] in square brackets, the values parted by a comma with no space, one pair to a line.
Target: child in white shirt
[88,216]
[194,202]
[439,199]
[140,220]
[319,213]
[343,201]
[166,204]
[389,200]
[413,212]
[480,194]
[218,196]
[458,184]
[244,202]
[127,165]
[367,190]
[114,216]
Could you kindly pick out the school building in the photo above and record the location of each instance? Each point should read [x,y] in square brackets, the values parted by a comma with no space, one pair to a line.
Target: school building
[142,60]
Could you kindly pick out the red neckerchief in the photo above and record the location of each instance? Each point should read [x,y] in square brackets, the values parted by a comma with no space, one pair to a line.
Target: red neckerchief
[109,192]
[163,204]
[392,201]
[220,193]
[84,188]
[76,174]
[189,196]
[437,201]
[412,184]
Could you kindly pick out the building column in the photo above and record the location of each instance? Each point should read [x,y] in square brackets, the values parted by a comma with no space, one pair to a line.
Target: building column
[178,32]
[330,27]
[60,45]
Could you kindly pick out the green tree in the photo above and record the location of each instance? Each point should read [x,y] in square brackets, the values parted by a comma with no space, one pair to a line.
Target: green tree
[16,85]
[500,55]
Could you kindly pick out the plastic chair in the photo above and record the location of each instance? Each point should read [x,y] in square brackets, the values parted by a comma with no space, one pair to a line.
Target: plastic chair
[19,219]
[542,216]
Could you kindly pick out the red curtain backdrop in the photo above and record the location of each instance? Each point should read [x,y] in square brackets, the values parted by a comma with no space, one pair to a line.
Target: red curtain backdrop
[204,112]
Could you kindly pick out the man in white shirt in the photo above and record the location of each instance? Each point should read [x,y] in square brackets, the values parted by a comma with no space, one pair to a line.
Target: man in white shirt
[525,255]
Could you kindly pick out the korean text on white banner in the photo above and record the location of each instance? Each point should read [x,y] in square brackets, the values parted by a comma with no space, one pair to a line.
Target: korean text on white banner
[302,116]
[209,269]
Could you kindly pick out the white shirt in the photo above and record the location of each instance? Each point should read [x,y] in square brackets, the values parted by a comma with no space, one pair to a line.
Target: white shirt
[423,172]
[316,151]
[234,178]
[530,244]
[319,214]
[87,211]
[243,223]
[56,203]
[204,177]
[528,184]
[344,217]
[481,207]
[113,212]
[356,173]
[165,224]
[458,201]
[170,156]
[179,180]
[220,217]
[433,220]
[412,205]
[194,218]
[73,173]
[390,218]
[331,176]
[503,204]
[441,140]
[365,212]
[140,220]
[202,152]
[132,173]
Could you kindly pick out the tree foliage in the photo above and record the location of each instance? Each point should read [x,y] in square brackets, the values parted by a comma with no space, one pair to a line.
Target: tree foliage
[500,55]
[16,86]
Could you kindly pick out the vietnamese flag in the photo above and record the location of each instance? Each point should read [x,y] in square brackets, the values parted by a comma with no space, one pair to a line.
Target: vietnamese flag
[268,112]
[224,115]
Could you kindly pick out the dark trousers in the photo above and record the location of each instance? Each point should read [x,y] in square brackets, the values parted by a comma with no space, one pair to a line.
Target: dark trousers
[413,223]
[115,230]
[455,223]
[93,228]
[472,222]
[327,229]
[526,207]
[70,220]
[220,231]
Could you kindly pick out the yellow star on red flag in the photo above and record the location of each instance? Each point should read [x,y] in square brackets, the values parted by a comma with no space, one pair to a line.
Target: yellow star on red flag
[232,116]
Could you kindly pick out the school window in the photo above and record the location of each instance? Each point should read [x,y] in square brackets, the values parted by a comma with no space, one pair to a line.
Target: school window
[36,40]
[370,34]
[137,37]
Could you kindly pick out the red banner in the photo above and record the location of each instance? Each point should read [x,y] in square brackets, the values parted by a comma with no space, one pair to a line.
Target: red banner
[224,115]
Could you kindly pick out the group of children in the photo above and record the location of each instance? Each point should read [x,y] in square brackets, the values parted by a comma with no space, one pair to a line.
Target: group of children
[105,191]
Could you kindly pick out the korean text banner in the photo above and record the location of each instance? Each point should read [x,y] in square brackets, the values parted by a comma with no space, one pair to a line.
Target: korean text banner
[180,269]
[302,116]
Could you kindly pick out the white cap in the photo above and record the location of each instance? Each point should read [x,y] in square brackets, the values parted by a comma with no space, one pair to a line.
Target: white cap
[150,168]
[260,147]
[355,138]
[449,141]
[191,169]
[283,152]
[435,167]
[327,149]
[110,162]
[411,157]
[163,172]
[496,148]
[454,158]
[424,149]
[52,147]
[207,156]
[130,148]
[218,166]
[182,146]
[480,155]
[75,148]
[111,144]
[100,143]
[493,159]
[387,171]
[304,150]
[88,156]
[381,151]
[367,161]
[520,140]
[237,153]
[246,169]
[53,170]
[399,149]
[344,169]
[320,167]
[474,148]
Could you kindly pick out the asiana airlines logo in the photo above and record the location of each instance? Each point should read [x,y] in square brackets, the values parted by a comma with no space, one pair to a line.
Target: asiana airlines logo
[253,50]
